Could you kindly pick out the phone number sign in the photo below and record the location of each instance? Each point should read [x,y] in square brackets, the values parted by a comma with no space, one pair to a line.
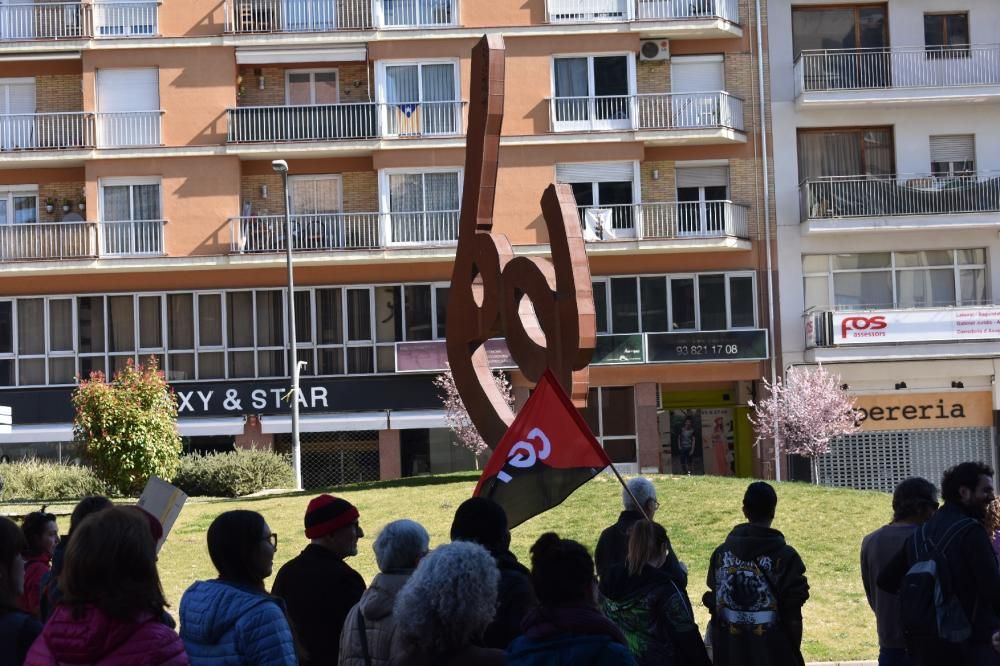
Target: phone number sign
[743,345]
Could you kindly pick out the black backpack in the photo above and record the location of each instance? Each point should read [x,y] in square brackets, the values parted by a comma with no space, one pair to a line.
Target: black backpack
[930,609]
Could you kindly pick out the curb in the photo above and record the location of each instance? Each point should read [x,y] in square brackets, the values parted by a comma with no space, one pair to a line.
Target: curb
[843,663]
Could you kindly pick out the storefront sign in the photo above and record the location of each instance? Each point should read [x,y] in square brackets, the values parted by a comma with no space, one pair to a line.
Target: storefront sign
[889,326]
[912,411]
[706,346]
[615,349]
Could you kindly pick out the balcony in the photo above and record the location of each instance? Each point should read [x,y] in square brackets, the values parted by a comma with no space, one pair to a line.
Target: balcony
[131,238]
[588,11]
[46,131]
[344,122]
[344,231]
[44,241]
[842,77]
[665,221]
[292,16]
[900,201]
[26,21]
[668,118]
[125,19]
[129,129]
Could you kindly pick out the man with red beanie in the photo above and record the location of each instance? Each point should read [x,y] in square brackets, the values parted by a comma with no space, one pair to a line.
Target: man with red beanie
[317,586]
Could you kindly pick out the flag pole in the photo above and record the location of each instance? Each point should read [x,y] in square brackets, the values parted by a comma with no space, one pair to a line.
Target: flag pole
[642,509]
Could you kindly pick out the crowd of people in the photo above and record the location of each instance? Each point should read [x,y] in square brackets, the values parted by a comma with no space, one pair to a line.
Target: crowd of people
[94,596]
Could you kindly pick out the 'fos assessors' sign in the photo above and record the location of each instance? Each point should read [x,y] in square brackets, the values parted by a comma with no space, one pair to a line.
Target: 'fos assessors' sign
[943,324]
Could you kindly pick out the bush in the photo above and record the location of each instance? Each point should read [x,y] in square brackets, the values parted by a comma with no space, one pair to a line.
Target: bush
[234,473]
[31,479]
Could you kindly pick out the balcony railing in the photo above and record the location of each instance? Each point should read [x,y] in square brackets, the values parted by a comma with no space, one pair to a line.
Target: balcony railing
[258,16]
[332,122]
[20,21]
[588,11]
[43,240]
[46,131]
[125,19]
[896,195]
[666,111]
[897,67]
[664,221]
[344,231]
[132,238]
[127,129]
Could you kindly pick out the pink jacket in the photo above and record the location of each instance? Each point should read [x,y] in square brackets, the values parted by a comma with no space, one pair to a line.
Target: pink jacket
[94,638]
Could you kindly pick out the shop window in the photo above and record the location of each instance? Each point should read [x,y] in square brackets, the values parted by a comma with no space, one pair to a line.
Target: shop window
[180,336]
[211,358]
[741,302]
[682,312]
[610,413]
[653,293]
[150,323]
[712,302]
[601,304]
[62,360]
[441,310]
[7,375]
[625,308]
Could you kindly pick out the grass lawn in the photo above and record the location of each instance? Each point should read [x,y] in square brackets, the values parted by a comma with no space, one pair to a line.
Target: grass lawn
[825,525]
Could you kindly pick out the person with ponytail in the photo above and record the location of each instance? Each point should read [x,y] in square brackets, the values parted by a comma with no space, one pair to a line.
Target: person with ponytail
[18,629]
[649,607]
[568,627]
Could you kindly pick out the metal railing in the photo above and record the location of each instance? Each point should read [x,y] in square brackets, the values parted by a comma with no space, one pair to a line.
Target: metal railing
[331,122]
[417,13]
[324,231]
[257,16]
[665,221]
[47,240]
[126,19]
[897,67]
[41,131]
[904,194]
[438,227]
[648,111]
[587,11]
[21,21]
[125,129]
[132,237]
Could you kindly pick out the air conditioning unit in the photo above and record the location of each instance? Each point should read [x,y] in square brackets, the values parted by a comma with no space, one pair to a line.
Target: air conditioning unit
[654,49]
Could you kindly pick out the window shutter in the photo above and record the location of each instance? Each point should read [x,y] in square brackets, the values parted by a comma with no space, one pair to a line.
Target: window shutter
[21,95]
[710,176]
[697,74]
[121,90]
[594,172]
[953,148]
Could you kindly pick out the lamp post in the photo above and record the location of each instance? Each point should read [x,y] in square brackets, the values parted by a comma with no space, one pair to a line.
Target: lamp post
[281,167]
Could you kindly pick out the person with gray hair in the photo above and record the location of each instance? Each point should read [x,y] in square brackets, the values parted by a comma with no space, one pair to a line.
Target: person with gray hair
[613,543]
[366,639]
[443,610]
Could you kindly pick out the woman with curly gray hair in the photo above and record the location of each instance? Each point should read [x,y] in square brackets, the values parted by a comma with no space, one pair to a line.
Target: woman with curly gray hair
[445,607]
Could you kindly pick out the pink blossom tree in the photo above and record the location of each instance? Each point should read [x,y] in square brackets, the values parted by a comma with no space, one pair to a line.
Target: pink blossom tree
[804,413]
[457,417]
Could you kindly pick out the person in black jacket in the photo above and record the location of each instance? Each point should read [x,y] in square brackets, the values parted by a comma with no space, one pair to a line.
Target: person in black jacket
[483,521]
[317,586]
[967,489]
[613,542]
[756,589]
[18,630]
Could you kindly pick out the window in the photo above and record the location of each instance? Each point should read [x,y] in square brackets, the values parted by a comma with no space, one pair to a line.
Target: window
[421,98]
[848,27]
[692,80]
[592,92]
[128,107]
[880,280]
[406,13]
[17,105]
[702,193]
[7,374]
[953,155]
[270,317]
[863,151]
[423,207]
[311,87]
[605,192]
[946,35]
[19,206]
[211,357]
[122,201]
[123,18]
[610,413]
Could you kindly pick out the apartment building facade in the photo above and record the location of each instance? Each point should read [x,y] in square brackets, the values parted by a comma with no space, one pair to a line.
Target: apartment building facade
[888,207]
[141,215]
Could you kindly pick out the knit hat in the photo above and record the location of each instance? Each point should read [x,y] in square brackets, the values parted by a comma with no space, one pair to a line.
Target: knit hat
[326,514]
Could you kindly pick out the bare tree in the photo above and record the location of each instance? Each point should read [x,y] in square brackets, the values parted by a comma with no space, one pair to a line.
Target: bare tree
[457,417]
[804,413]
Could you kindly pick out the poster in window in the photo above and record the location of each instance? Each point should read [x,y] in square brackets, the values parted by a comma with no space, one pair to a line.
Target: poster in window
[718,441]
[686,441]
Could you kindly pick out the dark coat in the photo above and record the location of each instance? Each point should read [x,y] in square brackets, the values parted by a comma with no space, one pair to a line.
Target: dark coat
[656,616]
[319,590]
[613,545]
[515,597]
[18,630]
[567,637]
[770,643]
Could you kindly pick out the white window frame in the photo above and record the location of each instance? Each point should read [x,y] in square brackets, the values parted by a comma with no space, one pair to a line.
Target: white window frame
[8,192]
[312,72]
[12,354]
[382,97]
[336,178]
[626,468]
[592,123]
[384,193]
[379,16]
[128,181]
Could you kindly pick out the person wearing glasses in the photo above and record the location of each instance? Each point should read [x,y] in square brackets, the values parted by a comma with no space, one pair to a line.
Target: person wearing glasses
[613,543]
[232,619]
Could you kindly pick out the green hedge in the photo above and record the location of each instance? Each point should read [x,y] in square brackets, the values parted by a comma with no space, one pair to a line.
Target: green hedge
[31,479]
[234,473]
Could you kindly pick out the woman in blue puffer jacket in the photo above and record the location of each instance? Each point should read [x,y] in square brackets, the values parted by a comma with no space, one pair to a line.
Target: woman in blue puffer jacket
[232,620]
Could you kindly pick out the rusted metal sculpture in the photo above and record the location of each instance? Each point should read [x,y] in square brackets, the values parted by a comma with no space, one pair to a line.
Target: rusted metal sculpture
[544,309]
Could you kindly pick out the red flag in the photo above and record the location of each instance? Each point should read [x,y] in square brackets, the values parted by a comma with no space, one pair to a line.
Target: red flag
[547,453]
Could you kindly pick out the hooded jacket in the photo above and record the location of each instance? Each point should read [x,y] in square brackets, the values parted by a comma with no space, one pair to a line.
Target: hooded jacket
[515,598]
[35,567]
[656,616]
[380,626]
[92,637]
[776,599]
[569,637]
[613,544]
[224,624]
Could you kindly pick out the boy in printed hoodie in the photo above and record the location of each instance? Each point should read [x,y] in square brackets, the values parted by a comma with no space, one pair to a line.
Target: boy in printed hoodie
[757,587]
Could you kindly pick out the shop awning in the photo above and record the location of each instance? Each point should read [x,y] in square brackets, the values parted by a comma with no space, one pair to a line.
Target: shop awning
[272,56]
[30,434]
[413,419]
[335,422]
[210,427]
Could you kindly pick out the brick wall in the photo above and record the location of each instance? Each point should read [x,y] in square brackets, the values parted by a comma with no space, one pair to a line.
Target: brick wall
[652,76]
[660,189]
[273,94]
[58,92]
[60,192]
[360,192]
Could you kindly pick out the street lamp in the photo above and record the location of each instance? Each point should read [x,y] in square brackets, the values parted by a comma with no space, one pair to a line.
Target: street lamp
[281,167]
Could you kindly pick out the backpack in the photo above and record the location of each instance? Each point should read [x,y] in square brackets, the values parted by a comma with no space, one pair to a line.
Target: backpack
[930,609]
[744,593]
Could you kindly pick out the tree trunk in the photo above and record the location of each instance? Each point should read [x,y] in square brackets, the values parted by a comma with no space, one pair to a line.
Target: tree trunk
[815,469]
[476,456]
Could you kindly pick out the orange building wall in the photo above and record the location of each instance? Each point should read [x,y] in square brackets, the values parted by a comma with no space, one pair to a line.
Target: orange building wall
[482,14]
[191,18]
